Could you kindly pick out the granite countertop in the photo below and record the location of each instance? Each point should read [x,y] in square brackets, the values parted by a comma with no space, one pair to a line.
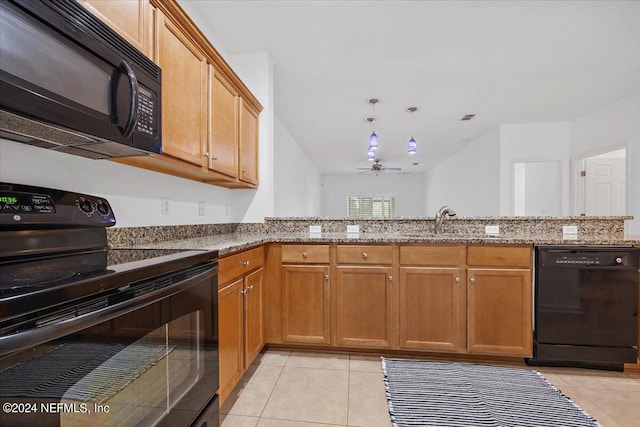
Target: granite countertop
[232,242]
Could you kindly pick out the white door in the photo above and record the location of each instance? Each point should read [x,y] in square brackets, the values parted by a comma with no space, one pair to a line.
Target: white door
[605,186]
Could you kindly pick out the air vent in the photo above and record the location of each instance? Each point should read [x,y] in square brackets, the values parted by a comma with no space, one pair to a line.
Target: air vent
[468,117]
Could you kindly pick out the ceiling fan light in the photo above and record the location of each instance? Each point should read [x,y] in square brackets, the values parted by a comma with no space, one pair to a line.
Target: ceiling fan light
[371,155]
[412,147]
[373,141]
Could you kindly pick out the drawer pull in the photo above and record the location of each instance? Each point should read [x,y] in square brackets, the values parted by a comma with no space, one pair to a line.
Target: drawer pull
[364,255]
[472,280]
[457,280]
[245,263]
[390,277]
[326,277]
[304,254]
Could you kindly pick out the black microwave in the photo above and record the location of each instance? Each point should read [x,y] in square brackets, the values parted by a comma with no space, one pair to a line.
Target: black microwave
[70,83]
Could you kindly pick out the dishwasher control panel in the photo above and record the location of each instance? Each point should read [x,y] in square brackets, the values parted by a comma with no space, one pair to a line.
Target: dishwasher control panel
[605,256]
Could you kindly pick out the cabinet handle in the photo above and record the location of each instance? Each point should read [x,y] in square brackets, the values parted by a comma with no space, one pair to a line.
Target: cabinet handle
[390,277]
[472,280]
[457,280]
[245,263]
[244,171]
[214,157]
[243,292]
[250,287]
[205,155]
[304,254]
[326,277]
[364,255]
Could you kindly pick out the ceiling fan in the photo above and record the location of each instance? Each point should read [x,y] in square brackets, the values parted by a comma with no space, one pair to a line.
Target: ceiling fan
[377,167]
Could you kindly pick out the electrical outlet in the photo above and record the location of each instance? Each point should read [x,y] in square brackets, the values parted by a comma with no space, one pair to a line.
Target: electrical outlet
[353,228]
[491,229]
[164,205]
[315,229]
[569,229]
[201,208]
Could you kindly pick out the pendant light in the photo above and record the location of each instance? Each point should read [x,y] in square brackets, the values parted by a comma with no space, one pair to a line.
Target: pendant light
[371,155]
[373,139]
[412,147]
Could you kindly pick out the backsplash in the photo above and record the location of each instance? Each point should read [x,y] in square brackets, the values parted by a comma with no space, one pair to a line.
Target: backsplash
[602,228]
[591,226]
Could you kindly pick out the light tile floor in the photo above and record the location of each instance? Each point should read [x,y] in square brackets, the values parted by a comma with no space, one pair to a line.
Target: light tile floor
[301,389]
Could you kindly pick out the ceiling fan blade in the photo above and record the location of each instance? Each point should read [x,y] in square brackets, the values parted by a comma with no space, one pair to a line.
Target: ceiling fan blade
[363,169]
[391,169]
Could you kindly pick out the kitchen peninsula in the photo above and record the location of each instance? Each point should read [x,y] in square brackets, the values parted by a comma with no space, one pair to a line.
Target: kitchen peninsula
[395,287]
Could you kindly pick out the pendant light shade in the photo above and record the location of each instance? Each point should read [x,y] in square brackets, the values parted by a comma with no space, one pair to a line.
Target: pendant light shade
[412,146]
[373,141]
[371,155]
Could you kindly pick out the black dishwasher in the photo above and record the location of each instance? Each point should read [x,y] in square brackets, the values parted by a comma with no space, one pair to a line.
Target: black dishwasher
[586,306]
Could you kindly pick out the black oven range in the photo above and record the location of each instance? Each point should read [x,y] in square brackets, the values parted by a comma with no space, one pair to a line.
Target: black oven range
[97,336]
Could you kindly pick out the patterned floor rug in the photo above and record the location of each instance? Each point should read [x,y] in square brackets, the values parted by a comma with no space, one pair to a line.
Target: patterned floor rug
[452,394]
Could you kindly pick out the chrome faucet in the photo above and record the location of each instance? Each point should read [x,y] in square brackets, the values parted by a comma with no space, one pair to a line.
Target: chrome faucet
[444,211]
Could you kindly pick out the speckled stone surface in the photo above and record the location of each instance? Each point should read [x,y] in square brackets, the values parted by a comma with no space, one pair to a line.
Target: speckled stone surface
[227,238]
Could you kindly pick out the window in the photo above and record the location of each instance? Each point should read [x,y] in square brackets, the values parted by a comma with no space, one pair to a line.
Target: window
[371,206]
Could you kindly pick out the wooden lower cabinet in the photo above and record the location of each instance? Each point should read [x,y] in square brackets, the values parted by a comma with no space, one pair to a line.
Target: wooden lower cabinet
[499,304]
[240,327]
[253,315]
[305,304]
[432,309]
[364,306]
[230,335]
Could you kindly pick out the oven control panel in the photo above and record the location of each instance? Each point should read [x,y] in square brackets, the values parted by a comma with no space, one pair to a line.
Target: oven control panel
[22,207]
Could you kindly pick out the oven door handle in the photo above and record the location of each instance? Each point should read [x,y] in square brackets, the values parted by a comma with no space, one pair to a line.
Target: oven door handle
[32,337]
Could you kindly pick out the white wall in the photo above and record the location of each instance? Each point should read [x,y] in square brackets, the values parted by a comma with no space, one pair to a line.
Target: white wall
[614,126]
[407,188]
[534,142]
[469,180]
[297,182]
[133,193]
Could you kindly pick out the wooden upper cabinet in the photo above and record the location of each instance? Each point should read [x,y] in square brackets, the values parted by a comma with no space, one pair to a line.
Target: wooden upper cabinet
[129,18]
[184,92]
[248,144]
[223,125]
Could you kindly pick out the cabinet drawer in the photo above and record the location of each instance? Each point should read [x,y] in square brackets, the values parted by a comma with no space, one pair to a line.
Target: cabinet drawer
[499,255]
[238,264]
[305,254]
[432,255]
[365,254]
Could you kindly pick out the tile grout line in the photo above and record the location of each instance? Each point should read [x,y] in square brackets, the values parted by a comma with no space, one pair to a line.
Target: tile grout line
[348,388]
[273,388]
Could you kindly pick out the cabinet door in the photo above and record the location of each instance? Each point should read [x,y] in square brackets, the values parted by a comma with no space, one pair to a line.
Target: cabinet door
[248,144]
[223,125]
[253,312]
[184,93]
[431,308]
[499,304]
[305,304]
[230,333]
[364,306]
[130,19]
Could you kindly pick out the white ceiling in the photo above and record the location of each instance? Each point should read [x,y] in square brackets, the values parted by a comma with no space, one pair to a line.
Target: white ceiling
[506,61]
